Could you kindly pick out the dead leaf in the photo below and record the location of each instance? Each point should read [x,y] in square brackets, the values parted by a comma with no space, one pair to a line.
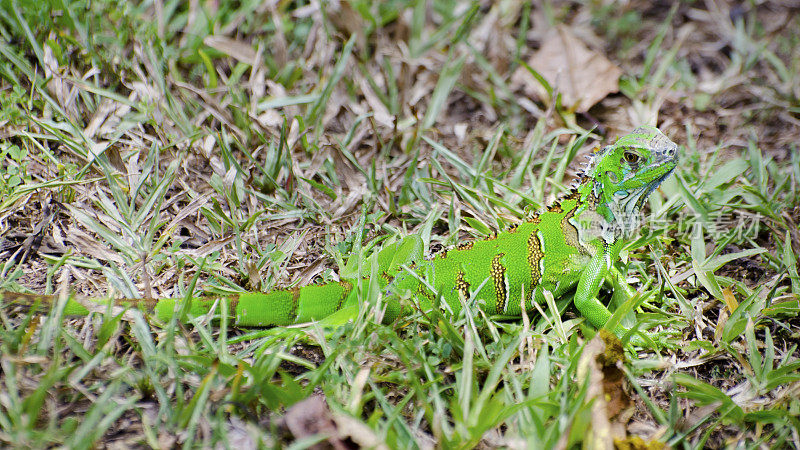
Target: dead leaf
[311,417]
[378,109]
[600,363]
[241,51]
[582,76]
[730,299]
[359,433]
[58,86]
[103,111]
[347,20]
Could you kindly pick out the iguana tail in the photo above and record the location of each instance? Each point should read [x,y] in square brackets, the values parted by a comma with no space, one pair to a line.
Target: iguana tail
[251,309]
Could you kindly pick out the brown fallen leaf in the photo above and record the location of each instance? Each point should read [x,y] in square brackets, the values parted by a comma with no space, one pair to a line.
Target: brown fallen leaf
[311,417]
[239,50]
[600,363]
[347,20]
[58,83]
[582,76]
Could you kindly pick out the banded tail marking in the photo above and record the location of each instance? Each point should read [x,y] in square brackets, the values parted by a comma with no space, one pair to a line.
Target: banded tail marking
[346,288]
[295,303]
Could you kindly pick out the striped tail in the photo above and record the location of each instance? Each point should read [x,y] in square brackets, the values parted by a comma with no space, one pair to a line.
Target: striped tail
[251,309]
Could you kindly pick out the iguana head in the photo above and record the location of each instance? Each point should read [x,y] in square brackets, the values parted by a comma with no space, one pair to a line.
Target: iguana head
[624,174]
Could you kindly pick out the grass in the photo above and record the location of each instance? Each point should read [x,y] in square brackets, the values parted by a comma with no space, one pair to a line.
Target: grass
[168,148]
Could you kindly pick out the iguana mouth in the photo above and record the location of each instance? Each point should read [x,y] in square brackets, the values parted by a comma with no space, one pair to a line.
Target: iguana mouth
[664,177]
[657,182]
[649,188]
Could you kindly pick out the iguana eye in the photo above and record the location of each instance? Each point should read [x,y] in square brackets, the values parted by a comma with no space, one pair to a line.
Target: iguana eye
[631,158]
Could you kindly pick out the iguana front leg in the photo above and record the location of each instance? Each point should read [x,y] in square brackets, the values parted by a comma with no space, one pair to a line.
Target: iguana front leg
[585,298]
[622,291]
[600,269]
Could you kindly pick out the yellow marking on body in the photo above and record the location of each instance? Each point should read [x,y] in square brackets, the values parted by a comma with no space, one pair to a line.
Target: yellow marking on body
[424,292]
[535,255]
[462,285]
[543,244]
[498,274]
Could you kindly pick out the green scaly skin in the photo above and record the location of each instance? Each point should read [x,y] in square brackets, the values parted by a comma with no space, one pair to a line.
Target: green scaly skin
[570,246]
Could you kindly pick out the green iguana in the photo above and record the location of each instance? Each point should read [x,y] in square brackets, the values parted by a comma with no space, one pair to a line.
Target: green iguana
[572,245]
